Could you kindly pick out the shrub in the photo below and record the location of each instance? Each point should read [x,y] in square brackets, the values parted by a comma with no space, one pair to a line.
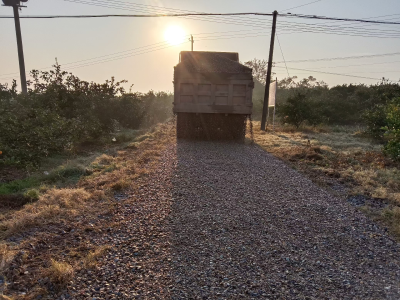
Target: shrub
[296,110]
[375,120]
[392,134]
[29,134]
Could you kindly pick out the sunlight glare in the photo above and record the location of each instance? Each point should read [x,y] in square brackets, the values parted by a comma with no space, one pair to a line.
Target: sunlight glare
[174,35]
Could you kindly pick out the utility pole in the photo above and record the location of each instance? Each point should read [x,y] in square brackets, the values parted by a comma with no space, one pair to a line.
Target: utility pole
[16,5]
[191,39]
[267,83]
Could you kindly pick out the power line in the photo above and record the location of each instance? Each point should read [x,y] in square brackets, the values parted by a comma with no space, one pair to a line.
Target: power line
[126,54]
[302,5]
[282,53]
[360,65]
[93,61]
[126,6]
[339,34]
[336,27]
[197,14]
[347,75]
[138,15]
[146,8]
[341,58]
[339,19]
[123,5]
[147,47]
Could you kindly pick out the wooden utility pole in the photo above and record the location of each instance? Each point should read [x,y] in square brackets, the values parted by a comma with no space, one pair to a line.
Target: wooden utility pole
[20,50]
[269,70]
[16,4]
[191,39]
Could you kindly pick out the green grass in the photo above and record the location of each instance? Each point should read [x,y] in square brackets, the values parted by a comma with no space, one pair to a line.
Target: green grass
[63,174]
[19,186]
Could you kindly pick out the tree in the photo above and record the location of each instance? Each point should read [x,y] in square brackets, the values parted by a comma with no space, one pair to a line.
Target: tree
[392,128]
[259,67]
[296,110]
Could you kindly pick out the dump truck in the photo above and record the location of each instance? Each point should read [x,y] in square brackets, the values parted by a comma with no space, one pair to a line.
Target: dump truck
[212,95]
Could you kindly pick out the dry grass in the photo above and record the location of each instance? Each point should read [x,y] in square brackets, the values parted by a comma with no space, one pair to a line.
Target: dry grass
[120,185]
[391,216]
[60,272]
[6,256]
[148,155]
[90,261]
[55,204]
[103,159]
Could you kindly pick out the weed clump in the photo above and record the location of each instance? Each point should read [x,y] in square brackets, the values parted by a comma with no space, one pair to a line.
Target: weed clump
[120,185]
[91,259]
[32,194]
[60,272]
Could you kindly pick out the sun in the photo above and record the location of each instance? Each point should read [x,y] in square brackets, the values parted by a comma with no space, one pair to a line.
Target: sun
[174,35]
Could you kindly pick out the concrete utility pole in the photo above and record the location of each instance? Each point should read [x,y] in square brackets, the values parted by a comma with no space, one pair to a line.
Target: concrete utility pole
[269,70]
[191,39]
[16,5]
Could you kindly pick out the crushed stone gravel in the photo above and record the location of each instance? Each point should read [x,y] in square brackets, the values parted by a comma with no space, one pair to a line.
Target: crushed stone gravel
[230,221]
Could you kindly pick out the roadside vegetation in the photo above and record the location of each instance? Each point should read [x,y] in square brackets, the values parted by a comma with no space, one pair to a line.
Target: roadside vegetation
[69,150]
[61,113]
[44,243]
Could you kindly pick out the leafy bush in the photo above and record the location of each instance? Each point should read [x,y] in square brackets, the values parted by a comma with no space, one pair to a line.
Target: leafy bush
[29,134]
[375,119]
[299,109]
[392,128]
[61,111]
[295,110]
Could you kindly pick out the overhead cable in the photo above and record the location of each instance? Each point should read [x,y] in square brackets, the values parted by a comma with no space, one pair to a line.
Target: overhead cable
[347,75]
[302,5]
[341,58]
[195,14]
[282,53]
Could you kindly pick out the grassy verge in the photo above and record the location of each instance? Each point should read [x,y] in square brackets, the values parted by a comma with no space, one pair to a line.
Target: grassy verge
[43,243]
[343,160]
[62,170]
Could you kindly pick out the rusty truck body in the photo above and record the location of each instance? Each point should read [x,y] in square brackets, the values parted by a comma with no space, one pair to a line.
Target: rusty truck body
[212,95]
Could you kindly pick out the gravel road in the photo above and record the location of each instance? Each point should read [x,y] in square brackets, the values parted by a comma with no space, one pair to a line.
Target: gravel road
[246,226]
[229,221]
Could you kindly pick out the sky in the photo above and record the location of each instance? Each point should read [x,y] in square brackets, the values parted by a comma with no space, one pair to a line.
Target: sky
[135,49]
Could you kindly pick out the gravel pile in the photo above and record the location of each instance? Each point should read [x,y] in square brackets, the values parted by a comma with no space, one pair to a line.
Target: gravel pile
[229,221]
[246,226]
